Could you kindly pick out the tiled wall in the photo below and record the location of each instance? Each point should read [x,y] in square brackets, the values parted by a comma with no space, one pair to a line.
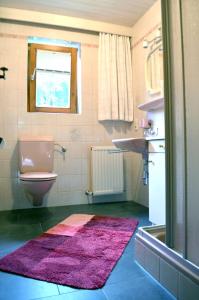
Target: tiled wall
[75,132]
[146,27]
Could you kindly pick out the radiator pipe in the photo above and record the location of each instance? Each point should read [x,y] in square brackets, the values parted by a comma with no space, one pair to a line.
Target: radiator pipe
[62,148]
[89,195]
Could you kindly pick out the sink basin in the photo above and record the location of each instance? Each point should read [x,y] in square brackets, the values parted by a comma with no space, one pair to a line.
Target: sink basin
[138,145]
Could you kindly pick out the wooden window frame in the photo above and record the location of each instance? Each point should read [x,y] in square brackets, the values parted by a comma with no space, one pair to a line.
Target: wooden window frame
[32,53]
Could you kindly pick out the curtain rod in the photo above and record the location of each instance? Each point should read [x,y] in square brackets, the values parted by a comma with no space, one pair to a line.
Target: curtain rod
[129,36]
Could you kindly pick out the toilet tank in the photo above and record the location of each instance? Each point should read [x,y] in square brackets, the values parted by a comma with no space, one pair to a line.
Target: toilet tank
[36,154]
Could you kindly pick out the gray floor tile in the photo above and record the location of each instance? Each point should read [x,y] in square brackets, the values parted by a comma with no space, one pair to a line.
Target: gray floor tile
[21,288]
[141,288]
[20,230]
[80,295]
[8,218]
[125,268]
[34,218]
[11,243]
[87,295]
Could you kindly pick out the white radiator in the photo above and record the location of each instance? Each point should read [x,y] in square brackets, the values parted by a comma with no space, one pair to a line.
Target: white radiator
[106,170]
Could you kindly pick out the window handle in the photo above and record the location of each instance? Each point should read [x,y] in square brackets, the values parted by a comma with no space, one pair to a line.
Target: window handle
[32,77]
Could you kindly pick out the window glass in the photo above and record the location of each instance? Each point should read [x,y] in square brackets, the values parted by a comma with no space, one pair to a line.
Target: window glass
[53,60]
[52,84]
[53,75]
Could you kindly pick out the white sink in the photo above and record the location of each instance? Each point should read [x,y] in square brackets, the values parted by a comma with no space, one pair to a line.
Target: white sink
[138,145]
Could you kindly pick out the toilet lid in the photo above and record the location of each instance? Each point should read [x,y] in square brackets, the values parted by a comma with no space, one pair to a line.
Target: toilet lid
[38,176]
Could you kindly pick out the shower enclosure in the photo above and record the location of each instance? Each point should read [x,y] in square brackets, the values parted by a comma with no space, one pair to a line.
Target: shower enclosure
[171,255]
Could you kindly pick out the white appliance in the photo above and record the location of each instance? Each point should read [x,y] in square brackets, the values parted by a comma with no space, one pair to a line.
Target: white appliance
[157,203]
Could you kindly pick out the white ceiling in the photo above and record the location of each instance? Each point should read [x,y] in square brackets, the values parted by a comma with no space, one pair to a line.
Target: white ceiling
[120,12]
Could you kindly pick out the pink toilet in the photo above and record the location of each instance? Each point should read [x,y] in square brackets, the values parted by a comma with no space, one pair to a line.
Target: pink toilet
[36,166]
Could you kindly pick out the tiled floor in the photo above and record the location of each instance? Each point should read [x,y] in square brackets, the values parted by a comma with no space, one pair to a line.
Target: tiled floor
[127,281]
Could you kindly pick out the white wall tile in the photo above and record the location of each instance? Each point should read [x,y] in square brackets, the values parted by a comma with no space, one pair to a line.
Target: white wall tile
[8,150]
[76,132]
[71,198]
[75,150]
[24,129]
[24,118]
[9,169]
[85,167]
[63,183]
[11,132]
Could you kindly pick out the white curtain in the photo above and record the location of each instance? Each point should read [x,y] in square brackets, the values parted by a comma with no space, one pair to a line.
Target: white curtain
[115,78]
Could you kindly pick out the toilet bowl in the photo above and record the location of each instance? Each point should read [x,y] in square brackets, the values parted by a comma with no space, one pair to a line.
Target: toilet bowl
[36,166]
[37,184]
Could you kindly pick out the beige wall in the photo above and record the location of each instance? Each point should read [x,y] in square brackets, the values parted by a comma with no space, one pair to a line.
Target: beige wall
[146,27]
[76,132]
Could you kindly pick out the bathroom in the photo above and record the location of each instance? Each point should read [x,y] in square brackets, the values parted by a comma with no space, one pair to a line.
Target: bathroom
[75,132]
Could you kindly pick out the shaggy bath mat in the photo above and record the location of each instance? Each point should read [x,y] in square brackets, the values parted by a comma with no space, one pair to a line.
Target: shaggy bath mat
[80,251]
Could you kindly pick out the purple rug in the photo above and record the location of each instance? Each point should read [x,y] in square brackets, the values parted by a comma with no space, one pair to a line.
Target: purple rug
[80,251]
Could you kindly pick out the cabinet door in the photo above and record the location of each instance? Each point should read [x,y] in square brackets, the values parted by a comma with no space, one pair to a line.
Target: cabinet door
[157,188]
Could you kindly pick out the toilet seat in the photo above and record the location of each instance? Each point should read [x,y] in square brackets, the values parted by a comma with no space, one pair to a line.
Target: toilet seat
[37,176]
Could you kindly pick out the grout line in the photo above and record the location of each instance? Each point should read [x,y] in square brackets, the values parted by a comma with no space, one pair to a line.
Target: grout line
[73,291]
[45,297]
[41,227]
[103,292]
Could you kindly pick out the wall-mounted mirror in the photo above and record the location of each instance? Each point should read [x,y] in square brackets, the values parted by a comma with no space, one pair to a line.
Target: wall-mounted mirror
[154,65]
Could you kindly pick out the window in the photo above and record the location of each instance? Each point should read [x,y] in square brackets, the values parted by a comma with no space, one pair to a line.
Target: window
[52,78]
